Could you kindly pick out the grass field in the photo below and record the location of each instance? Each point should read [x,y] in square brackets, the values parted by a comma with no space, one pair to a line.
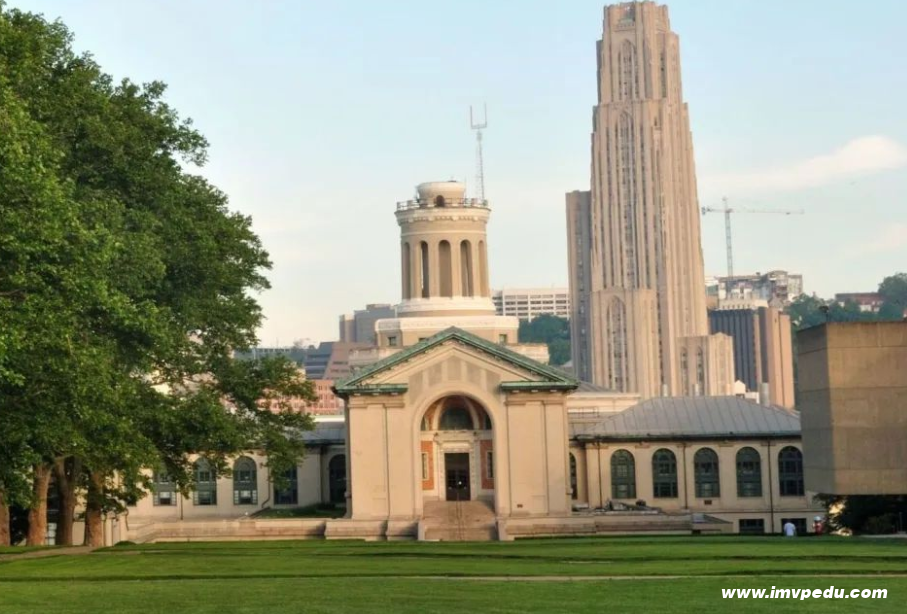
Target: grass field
[617,574]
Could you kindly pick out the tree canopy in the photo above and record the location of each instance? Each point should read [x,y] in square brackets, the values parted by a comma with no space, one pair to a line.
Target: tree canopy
[126,283]
[551,330]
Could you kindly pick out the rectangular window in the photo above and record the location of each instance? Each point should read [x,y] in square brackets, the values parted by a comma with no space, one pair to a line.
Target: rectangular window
[392,341]
[502,339]
[425,465]
[800,523]
[164,497]
[751,526]
[205,497]
[489,465]
[245,497]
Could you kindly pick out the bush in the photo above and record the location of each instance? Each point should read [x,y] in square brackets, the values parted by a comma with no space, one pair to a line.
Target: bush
[880,525]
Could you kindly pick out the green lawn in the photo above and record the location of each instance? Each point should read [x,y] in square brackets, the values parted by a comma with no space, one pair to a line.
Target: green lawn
[529,576]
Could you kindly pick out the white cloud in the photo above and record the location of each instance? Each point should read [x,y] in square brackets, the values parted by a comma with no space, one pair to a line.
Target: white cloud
[861,156]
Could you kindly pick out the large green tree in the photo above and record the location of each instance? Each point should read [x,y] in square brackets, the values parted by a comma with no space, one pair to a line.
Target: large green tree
[894,297]
[125,285]
[551,330]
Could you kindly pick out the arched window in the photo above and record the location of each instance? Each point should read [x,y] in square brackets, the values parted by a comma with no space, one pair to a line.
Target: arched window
[439,201]
[664,474]
[623,475]
[466,280]
[684,373]
[705,472]
[423,270]
[245,483]
[289,493]
[205,483]
[456,419]
[790,472]
[483,272]
[573,488]
[444,269]
[164,488]
[749,473]
[337,479]
[406,255]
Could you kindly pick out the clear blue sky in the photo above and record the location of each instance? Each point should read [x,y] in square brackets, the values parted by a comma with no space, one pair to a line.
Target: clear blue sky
[322,114]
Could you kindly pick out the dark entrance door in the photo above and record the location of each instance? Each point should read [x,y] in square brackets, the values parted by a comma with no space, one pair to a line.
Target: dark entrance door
[456,468]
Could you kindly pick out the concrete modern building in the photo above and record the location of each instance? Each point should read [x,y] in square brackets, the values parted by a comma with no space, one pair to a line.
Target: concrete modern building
[579,250]
[868,302]
[648,329]
[853,400]
[527,303]
[330,360]
[359,327]
[776,287]
[763,356]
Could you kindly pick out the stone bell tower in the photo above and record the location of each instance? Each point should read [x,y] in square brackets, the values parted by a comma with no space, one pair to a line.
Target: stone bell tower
[444,269]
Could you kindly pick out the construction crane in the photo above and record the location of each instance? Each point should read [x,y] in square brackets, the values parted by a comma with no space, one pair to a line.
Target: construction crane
[727,211]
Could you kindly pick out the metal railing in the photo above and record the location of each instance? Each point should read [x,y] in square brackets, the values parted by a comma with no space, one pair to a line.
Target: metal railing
[406,205]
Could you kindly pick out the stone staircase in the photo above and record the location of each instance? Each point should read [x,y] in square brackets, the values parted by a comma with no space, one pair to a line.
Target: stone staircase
[463,521]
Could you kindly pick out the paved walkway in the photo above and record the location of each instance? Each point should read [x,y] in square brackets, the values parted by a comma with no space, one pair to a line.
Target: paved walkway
[44,552]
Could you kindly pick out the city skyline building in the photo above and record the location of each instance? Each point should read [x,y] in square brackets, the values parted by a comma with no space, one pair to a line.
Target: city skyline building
[763,354]
[527,303]
[778,287]
[648,326]
[359,327]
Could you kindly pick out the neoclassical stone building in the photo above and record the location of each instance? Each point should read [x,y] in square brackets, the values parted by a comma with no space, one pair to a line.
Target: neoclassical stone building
[454,430]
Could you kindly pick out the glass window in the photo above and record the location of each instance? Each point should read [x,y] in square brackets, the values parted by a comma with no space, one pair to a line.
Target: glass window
[456,419]
[245,483]
[205,483]
[623,475]
[751,526]
[573,478]
[489,465]
[289,494]
[164,488]
[337,479]
[664,474]
[799,523]
[790,472]
[425,465]
[749,473]
[705,471]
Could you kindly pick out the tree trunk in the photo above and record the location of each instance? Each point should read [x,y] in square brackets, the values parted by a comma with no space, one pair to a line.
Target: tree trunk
[94,513]
[66,472]
[4,521]
[37,514]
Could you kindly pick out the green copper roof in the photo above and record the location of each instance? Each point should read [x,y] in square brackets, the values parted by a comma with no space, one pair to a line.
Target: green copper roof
[554,379]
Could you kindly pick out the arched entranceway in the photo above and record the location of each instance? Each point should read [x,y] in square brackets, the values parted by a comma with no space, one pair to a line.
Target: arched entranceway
[456,442]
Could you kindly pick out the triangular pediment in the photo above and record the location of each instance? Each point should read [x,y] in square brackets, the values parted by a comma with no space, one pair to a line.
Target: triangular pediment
[517,372]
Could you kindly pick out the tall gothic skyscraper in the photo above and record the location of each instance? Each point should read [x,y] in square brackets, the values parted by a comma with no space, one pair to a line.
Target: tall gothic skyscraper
[643,287]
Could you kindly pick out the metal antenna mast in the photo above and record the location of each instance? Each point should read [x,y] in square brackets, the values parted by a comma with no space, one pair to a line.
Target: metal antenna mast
[478,126]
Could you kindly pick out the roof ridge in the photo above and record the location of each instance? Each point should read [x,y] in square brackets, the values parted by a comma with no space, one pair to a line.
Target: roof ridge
[453,332]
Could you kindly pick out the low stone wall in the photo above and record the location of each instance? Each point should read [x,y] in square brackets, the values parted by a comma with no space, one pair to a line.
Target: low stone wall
[226,530]
[616,523]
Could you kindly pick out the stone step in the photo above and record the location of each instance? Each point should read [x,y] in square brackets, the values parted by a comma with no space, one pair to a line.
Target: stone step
[449,534]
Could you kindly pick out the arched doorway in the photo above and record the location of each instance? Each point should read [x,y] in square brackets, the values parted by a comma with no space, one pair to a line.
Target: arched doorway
[456,443]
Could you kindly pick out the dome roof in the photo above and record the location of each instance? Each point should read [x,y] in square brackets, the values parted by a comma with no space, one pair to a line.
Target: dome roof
[450,190]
